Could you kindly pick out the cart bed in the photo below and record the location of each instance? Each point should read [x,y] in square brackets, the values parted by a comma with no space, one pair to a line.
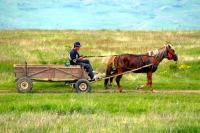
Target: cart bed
[50,72]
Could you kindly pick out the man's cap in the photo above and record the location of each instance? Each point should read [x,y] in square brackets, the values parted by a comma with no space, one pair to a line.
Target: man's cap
[77,44]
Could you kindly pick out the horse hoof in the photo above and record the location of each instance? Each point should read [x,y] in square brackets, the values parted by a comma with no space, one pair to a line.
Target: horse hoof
[152,91]
[138,87]
[120,90]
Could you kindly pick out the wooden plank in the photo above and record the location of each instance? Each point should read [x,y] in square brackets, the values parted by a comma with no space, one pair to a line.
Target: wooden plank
[70,73]
[53,80]
[66,73]
[40,72]
[54,66]
[19,72]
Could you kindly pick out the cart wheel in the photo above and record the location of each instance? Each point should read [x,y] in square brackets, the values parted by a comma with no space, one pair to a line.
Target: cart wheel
[82,85]
[24,85]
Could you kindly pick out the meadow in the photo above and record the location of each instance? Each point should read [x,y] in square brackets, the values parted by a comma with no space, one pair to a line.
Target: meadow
[55,107]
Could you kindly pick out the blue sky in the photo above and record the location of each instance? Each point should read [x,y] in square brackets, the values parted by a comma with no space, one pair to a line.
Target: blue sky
[102,14]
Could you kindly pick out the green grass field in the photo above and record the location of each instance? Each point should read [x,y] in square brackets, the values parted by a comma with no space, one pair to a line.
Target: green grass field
[55,107]
[100,112]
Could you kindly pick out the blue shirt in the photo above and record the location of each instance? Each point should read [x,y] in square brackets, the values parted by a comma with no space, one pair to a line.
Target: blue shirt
[73,57]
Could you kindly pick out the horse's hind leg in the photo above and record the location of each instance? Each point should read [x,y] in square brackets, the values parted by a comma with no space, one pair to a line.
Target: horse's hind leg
[107,80]
[106,83]
[110,85]
[118,83]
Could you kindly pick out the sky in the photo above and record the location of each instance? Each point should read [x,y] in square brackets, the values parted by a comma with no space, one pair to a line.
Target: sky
[100,14]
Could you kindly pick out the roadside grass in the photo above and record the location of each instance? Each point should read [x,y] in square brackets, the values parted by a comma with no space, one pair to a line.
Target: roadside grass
[100,112]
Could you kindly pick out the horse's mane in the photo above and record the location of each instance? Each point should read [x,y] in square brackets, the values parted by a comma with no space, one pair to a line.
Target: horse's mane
[153,52]
[161,52]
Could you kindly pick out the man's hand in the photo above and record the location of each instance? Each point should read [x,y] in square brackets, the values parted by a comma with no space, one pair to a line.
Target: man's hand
[81,57]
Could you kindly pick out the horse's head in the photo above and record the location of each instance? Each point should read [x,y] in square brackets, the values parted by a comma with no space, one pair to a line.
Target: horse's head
[171,53]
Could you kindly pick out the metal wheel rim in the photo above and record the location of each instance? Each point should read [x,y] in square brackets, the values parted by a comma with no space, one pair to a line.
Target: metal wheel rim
[83,86]
[24,85]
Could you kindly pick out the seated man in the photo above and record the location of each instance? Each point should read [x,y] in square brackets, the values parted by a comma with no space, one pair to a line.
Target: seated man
[76,59]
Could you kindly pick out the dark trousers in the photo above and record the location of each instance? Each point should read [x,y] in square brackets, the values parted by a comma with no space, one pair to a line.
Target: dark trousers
[88,67]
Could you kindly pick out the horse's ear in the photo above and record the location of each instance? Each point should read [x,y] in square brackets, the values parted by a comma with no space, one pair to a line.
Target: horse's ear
[169,46]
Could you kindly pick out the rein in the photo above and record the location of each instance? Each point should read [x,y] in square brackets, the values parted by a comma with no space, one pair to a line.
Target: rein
[120,55]
[100,56]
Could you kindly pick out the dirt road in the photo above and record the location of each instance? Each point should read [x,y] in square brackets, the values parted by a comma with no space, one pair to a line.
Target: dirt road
[104,91]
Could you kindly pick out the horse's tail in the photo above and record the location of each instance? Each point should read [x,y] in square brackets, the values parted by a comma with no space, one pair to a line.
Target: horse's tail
[109,68]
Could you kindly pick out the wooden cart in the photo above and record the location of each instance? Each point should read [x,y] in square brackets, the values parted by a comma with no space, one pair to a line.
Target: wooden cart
[27,74]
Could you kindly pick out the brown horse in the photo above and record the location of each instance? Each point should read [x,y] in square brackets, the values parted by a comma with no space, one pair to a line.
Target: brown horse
[125,62]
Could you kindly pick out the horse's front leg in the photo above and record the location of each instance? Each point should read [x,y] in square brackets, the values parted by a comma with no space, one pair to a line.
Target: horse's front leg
[118,83]
[149,82]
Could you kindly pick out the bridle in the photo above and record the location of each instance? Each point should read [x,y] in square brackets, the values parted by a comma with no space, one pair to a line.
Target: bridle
[174,56]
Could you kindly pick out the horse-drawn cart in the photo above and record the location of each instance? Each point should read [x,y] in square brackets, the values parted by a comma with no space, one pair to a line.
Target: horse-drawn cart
[75,75]
[123,64]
